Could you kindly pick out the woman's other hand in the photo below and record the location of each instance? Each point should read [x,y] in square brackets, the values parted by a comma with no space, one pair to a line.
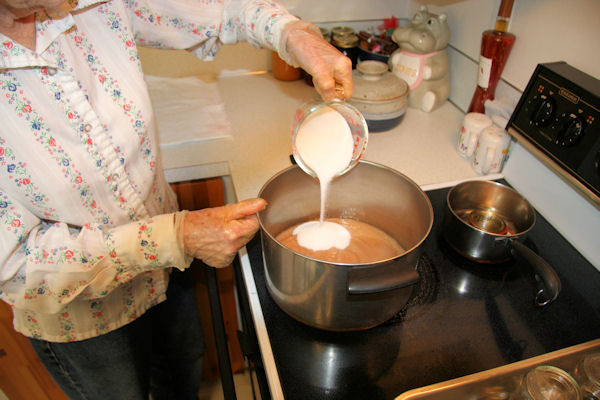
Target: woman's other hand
[214,235]
[331,71]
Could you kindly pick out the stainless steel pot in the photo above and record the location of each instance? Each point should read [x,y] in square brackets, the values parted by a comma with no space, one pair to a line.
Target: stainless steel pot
[335,296]
[486,221]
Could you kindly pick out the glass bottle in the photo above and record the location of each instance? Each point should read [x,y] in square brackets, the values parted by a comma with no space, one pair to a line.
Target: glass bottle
[496,45]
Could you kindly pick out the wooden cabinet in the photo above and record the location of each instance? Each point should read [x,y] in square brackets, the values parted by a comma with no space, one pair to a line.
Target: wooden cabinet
[196,195]
[22,375]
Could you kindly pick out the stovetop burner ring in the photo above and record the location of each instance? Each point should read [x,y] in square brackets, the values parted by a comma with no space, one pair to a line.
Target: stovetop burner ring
[425,292]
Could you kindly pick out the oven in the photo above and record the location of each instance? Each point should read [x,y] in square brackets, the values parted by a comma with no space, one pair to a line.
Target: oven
[469,330]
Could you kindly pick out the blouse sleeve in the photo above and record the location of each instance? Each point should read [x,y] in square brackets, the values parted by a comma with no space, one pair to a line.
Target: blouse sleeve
[204,26]
[45,266]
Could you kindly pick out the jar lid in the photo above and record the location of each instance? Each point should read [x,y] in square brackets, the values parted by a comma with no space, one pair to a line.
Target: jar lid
[342,30]
[346,41]
[373,81]
[324,32]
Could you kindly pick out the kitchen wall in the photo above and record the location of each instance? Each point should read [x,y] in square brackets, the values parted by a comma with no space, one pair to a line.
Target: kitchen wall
[546,30]
[349,10]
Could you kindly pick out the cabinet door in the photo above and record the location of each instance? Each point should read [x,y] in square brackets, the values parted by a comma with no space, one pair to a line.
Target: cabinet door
[195,195]
[22,375]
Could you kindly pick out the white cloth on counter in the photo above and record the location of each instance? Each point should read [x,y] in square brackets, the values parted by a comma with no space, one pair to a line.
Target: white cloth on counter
[187,109]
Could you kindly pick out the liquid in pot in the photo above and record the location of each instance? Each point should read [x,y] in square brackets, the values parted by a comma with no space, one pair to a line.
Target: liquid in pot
[368,244]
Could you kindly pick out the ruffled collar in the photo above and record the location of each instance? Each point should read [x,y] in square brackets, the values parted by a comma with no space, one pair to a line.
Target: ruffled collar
[48,29]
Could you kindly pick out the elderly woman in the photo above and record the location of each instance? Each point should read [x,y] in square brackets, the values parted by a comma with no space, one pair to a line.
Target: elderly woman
[92,240]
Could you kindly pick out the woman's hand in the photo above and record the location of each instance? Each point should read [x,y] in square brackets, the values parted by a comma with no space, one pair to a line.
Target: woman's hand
[331,71]
[214,235]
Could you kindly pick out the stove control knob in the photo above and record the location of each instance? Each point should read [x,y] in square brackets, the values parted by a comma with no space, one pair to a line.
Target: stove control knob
[572,131]
[542,110]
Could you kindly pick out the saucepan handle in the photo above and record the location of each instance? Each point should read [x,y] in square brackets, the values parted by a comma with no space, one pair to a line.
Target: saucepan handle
[549,281]
[377,283]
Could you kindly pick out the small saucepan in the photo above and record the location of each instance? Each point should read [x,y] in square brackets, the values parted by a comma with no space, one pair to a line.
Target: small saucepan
[486,222]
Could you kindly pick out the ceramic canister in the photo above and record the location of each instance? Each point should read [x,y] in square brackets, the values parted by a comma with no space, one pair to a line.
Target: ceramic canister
[379,95]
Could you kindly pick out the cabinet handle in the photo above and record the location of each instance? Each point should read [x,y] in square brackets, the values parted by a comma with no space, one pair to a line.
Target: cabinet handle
[3,353]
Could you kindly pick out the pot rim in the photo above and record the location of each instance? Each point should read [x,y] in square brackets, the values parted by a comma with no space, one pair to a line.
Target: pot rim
[516,235]
[415,247]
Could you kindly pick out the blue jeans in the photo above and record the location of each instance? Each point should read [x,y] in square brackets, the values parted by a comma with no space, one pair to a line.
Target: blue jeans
[160,353]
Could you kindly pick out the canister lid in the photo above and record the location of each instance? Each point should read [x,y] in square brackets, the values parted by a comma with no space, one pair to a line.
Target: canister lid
[373,81]
[342,31]
[346,41]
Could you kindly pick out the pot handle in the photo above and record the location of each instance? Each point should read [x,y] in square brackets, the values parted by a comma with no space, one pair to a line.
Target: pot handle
[549,281]
[371,282]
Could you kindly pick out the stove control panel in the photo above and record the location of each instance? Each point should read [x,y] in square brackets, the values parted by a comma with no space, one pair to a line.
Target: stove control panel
[558,120]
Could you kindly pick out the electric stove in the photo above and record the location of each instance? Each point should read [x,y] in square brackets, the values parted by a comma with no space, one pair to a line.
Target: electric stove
[462,318]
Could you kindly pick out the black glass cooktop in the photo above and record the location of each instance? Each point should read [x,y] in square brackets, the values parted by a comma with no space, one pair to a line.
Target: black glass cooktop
[463,318]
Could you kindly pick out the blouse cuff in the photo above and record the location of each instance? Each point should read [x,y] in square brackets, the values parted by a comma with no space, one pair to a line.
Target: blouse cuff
[186,260]
[152,243]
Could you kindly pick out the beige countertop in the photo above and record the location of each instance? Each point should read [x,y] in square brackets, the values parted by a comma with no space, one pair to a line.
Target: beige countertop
[260,110]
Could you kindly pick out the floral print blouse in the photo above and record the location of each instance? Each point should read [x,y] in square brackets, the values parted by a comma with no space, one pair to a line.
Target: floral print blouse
[89,228]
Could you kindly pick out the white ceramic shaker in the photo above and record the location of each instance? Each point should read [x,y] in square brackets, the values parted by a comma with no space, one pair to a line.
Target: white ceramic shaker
[491,150]
[473,124]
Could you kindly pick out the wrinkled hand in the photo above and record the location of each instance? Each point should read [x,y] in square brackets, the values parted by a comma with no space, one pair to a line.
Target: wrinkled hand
[214,235]
[330,69]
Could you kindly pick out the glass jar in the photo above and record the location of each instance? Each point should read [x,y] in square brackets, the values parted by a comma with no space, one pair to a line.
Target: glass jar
[348,45]
[547,383]
[282,70]
[342,31]
[587,374]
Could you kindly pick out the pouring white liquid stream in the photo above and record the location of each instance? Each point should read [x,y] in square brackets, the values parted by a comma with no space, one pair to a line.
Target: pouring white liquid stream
[324,141]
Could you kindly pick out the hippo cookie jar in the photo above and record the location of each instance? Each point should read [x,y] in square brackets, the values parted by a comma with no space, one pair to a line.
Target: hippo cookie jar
[422,59]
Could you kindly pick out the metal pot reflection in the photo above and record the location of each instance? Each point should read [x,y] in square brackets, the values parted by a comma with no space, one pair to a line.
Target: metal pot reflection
[326,362]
